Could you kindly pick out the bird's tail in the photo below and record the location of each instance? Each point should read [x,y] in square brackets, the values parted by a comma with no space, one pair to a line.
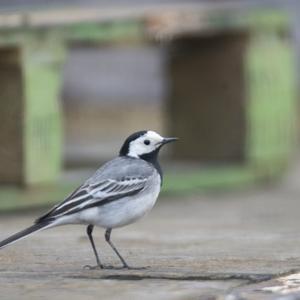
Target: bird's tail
[24,233]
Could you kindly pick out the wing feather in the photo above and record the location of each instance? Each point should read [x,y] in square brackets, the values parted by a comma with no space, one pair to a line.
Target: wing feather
[97,194]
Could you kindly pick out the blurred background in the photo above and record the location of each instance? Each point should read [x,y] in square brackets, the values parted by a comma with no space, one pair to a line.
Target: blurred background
[77,77]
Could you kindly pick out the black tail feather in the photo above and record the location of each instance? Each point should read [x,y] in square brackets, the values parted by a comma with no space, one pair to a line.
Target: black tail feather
[19,235]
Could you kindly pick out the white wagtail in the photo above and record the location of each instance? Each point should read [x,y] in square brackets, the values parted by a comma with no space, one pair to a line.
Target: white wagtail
[117,194]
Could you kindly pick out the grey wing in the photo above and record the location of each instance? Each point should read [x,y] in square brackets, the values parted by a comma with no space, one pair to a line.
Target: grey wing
[101,189]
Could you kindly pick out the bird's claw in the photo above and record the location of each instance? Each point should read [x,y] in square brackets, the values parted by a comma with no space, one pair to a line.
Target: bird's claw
[110,267]
[97,267]
[135,268]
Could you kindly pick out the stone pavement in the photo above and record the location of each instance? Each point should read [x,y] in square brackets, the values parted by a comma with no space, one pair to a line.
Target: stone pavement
[224,246]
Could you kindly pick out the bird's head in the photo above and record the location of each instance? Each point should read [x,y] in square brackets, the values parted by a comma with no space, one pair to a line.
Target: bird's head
[144,144]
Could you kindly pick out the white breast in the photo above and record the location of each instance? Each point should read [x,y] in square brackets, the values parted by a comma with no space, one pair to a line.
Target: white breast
[124,211]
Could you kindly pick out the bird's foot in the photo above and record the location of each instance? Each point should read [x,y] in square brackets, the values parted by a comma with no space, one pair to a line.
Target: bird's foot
[97,267]
[103,267]
[110,267]
[134,268]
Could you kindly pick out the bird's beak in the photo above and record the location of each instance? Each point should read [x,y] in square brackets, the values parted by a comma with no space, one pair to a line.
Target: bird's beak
[169,140]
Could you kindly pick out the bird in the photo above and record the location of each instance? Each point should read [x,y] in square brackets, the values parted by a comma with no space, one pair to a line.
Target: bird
[119,193]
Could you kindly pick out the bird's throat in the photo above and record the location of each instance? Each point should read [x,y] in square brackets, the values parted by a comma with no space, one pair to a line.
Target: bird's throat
[152,158]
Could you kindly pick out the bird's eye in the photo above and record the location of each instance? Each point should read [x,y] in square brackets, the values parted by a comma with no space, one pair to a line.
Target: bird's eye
[147,142]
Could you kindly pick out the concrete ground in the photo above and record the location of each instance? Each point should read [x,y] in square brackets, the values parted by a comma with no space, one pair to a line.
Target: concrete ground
[225,246]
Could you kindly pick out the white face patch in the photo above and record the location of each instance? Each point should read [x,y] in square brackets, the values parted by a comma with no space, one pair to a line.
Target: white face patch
[146,143]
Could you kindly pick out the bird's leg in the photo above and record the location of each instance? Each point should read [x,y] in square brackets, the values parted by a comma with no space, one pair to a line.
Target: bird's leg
[107,238]
[89,231]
